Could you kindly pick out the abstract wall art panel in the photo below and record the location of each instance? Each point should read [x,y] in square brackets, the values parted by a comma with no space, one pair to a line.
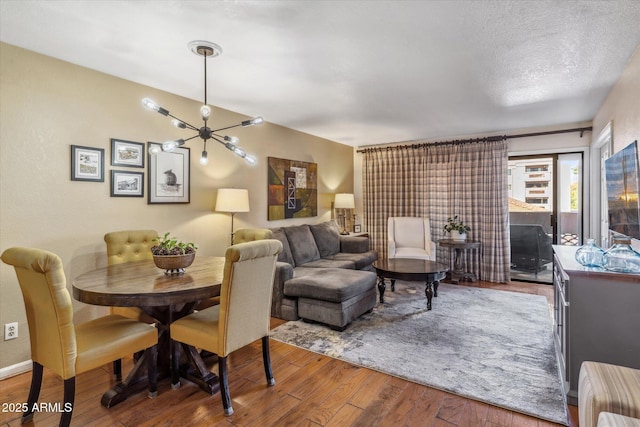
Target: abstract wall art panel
[293,189]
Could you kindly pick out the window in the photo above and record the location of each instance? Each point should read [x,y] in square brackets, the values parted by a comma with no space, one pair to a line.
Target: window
[536,168]
[536,184]
[537,200]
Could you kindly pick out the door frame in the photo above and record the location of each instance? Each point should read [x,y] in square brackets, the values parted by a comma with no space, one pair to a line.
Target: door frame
[604,138]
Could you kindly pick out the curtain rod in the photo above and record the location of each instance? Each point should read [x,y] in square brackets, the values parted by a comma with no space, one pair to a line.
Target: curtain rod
[479,140]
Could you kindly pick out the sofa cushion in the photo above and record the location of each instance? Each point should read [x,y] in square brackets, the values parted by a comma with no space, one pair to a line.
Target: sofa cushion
[302,244]
[354,244]
[331,263]
[285,255]
[327,236]
[330,284]
[361,260]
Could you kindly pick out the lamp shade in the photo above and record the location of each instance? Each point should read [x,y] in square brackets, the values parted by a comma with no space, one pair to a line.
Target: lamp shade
[344,201]
[232,200]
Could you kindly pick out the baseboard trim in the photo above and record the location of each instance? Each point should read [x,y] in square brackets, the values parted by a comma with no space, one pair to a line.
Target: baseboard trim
[16,369]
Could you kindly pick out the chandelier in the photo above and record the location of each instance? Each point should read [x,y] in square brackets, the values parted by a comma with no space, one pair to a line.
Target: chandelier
[206,50]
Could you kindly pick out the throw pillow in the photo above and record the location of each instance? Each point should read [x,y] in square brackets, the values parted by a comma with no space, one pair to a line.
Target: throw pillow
[285,255]
[327,237]
[302,244]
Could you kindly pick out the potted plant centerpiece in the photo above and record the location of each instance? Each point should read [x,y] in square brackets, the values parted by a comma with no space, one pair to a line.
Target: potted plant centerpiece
[173,255]
[456,228]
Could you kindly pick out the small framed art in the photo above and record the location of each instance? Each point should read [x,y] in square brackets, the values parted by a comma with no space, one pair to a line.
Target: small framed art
[127,184]
[87,163]
[357,228]
[169,176]
[127,153]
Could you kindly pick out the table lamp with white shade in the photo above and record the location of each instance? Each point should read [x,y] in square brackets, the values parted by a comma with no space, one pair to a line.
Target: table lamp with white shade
[232,200]
[344,201]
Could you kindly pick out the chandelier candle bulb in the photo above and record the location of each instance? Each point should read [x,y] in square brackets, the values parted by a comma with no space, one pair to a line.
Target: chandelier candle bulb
[155,150]
[171,145]
[155,107]
[204,159]
[177,123]
[255,121]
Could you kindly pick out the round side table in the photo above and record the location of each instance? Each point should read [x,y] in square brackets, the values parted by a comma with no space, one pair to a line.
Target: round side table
[457,272]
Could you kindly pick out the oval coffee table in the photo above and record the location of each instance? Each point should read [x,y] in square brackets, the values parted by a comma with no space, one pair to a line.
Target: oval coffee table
[430,272]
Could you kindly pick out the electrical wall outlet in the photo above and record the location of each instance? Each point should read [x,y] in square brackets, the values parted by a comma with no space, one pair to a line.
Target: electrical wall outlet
[10,331]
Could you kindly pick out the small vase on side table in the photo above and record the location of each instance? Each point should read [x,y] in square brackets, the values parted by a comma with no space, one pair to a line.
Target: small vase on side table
[458,236]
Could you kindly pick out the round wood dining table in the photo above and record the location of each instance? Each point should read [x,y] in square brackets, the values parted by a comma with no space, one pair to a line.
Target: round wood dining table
[164,297]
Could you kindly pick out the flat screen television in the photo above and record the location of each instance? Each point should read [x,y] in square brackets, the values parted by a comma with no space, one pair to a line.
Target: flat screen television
[621,171]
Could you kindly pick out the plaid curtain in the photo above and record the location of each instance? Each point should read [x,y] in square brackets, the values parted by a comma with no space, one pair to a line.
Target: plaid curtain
[438,181]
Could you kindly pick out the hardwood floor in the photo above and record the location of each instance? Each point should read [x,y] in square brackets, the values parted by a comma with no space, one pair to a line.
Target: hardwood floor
[311,390]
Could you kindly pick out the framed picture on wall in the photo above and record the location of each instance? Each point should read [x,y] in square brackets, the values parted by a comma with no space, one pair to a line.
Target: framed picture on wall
[292,190]
[87,163]
[127,184]
[127,153]
[169,176]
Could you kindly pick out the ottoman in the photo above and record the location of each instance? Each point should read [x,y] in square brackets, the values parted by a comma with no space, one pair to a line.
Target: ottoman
[607,388]
[607,419]
[333,296]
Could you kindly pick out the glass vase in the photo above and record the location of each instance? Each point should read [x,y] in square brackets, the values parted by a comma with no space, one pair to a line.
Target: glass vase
[621,257]
[590,255]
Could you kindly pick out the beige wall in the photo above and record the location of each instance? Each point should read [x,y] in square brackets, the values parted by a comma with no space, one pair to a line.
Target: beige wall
[622,106]
[622,109]
[46,105]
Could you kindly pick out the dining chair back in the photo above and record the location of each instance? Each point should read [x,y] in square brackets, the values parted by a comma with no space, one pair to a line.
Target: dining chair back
[129,246]
[243,235]
[243,315]
[58,344]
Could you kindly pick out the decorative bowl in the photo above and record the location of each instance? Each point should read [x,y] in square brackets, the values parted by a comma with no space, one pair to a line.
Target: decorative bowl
[174,264]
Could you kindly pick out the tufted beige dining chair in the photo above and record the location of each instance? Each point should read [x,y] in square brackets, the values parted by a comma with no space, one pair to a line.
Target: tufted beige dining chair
[129,246]
[242,235]
[61,346]
[244,313]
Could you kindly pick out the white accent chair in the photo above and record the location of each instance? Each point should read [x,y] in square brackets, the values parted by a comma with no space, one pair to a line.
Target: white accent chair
[410,237]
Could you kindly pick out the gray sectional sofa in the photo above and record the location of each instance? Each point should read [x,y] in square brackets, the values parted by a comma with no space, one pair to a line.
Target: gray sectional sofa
[323,276]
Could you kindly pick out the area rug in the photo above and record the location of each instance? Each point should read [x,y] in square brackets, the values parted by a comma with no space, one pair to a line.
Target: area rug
[489,345]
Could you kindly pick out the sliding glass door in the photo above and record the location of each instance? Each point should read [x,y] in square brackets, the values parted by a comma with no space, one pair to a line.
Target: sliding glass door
[545,208]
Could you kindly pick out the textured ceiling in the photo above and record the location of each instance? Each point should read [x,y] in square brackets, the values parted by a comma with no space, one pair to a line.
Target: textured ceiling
[356,72]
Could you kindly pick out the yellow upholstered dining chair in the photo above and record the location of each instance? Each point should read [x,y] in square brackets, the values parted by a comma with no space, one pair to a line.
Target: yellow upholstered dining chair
[58,344]
[244,312]
[129,246]
[243,235]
